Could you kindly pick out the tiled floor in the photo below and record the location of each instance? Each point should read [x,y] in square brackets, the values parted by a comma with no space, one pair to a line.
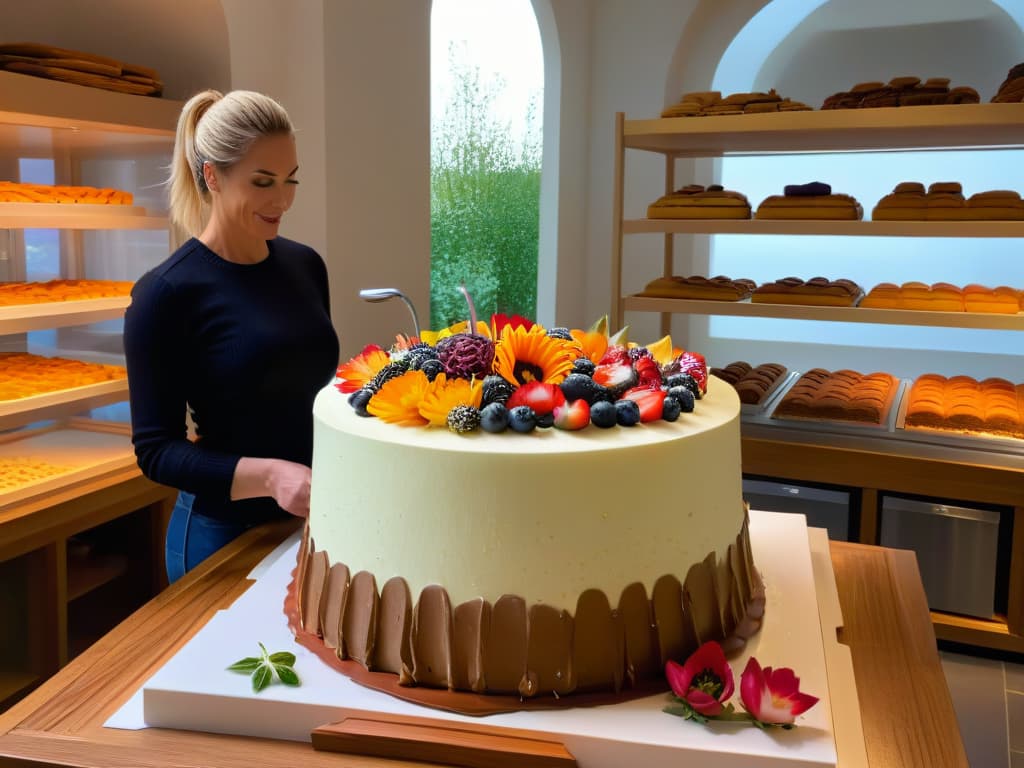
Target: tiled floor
[988,697]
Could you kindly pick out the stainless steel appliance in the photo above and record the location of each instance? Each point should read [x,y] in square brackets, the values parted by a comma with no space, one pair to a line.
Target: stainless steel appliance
[823,507]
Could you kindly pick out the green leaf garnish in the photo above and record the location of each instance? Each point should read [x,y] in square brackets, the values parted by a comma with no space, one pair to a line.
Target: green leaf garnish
[265,667]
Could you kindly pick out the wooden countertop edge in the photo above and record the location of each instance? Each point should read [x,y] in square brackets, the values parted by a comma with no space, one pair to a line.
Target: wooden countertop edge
[905,704]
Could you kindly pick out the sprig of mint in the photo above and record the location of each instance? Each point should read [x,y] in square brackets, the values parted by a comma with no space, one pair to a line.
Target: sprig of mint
[266,666]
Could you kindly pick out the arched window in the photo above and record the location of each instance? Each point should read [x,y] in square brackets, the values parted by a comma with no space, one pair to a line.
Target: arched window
[487,80]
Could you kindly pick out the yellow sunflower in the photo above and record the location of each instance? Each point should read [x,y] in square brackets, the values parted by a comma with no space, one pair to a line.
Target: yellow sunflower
[398,401]
[522,356]
[443,394]
[361,368]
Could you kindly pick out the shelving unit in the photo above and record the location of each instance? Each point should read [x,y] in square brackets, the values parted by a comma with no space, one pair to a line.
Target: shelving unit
[869,467]
[56,601]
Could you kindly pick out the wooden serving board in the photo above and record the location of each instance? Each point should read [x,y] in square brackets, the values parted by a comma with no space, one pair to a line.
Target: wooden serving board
[81,78]
[470,745]
[41,51]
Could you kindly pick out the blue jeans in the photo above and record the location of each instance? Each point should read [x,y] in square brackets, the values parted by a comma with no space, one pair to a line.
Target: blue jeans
[192,537]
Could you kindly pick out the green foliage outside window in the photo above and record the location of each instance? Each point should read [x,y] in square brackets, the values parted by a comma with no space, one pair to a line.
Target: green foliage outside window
[484,205]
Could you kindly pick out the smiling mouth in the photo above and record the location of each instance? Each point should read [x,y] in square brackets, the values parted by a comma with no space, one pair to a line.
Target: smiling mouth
[269,219]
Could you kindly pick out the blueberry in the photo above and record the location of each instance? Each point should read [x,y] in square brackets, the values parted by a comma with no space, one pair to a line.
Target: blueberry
[545,421]
[522,419]
[433,368]
[494,418]
[677,380]
[686,400]
[359,400]
[677,391]
[578,386]
[670,409]
[627,413]
[584,365]
[602,414]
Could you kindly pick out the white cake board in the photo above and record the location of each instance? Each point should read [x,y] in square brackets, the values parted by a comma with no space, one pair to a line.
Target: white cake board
[193,691]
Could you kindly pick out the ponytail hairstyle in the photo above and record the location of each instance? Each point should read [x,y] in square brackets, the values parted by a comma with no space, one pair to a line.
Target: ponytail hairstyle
[219,129]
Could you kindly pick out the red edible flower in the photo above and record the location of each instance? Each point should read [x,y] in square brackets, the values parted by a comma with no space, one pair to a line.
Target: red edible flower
[705,681]
[499,320]
[772,696]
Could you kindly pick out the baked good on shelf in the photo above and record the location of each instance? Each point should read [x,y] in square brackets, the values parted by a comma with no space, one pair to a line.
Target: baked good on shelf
[963,404]
[62,290]
[845,396]
[18,471]
[1011,90]
[809,201]
[80,67]
[818,291]
[697,202]
[944,201]
[907,91]
[523,605]
[1001,300]
[753,385]
[705,103]
[25,375]
[944,297]
[719,288]
[16,192]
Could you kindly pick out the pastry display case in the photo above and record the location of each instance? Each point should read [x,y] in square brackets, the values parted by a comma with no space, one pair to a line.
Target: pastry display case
[82,216]
[957,469]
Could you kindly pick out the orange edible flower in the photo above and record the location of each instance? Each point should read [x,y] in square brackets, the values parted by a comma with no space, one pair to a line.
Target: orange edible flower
[523,355]
[361,368]
[443,394]
[398,401]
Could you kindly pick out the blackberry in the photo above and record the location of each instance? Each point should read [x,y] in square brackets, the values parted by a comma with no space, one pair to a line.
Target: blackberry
[560,333]
[685,380]
[463,418]
[584,365]
[494,418]
[419,354]
[670,409]
[522,419]
[578,386]
[602,414]
[359,400]
[685,398]
[635,353]
[496,390]
[386,374]
[432,368]
[545,420]
[627,413]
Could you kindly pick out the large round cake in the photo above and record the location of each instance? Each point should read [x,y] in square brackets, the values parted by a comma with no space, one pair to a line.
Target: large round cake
[537,564]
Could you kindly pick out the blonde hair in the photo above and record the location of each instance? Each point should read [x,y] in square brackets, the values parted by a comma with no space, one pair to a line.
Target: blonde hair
[219,129]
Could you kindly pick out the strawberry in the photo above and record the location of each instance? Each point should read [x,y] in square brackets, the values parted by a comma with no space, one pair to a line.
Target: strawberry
[541,397]
[648,373]
[617,377]
[650,402]
[614,354]
[574,415]
[694,364]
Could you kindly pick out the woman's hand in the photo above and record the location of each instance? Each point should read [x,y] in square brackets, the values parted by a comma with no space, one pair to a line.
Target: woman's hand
[284,481]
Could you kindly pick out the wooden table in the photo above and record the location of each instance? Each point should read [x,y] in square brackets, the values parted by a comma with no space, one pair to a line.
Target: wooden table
[905,704]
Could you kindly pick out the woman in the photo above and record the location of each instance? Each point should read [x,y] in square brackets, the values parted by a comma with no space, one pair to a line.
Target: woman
[235,326]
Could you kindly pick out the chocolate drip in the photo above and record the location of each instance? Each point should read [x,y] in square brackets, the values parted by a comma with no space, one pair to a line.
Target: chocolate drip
[549,666]
[471,627]
[700,603]
[394,625]
[505,663]
[431,638]
[598,644]
[314,588]
[334,612]
[305,547]
[723,594]
[360,624]
[641,638]
[667,602]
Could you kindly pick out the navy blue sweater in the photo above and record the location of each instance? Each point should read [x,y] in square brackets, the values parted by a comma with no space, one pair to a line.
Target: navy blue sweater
[246,347]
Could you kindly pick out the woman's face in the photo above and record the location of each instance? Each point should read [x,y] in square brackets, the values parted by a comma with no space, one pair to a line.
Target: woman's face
[250,197]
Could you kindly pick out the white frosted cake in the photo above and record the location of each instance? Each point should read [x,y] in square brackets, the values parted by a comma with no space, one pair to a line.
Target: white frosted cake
[529,564]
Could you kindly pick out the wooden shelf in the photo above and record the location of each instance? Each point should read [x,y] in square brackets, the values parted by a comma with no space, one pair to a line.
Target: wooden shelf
[841,130]
[21,318]
[77,216]
[814,227]
[85,575]
[64,402]
[36,101]
[831,314]
[970,631]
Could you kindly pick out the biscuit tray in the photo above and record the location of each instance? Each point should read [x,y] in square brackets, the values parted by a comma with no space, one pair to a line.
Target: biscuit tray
[977,440]
[771,396]
[819,425]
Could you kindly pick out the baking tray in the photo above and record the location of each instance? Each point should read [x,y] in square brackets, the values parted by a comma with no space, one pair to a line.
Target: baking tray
[948,437]
[768,401]
[840,427]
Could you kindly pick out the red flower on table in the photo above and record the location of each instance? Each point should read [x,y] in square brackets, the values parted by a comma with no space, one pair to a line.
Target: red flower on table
[704,682]
[772,696]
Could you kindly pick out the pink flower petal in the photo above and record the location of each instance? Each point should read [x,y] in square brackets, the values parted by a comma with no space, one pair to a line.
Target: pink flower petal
[801,702]
[704,703]
[678,678]
[752,687]
[783,683]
